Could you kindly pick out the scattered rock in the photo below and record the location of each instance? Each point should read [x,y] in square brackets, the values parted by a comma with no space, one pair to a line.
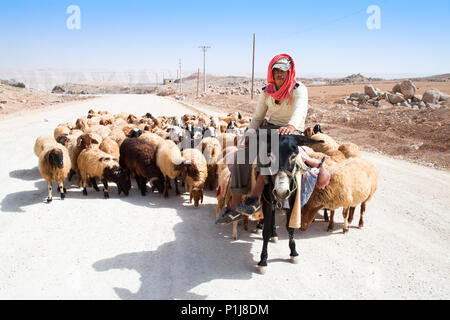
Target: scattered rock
[370,91]
[395,98]
[406,104]
[444,97]
[433,105]
[417,98]
[431,96]
[416,145]
[408,89]
[397,88]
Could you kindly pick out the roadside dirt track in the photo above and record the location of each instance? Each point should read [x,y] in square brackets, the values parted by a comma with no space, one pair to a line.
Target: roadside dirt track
[152,248]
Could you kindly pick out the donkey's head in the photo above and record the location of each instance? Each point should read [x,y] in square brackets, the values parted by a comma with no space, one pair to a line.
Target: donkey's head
[286,158]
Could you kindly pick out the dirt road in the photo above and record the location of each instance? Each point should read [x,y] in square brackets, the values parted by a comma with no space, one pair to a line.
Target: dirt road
[153,248]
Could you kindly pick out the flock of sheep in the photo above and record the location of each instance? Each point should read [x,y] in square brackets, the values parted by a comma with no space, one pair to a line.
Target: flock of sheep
[194,149]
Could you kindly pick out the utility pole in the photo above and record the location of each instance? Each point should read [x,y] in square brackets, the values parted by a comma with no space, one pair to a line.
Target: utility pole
[204,48]
[180,77]
[253,65]
[198,80]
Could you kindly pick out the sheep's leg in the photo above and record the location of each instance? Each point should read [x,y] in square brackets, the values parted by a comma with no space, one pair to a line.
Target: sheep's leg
[361,219]
[235,233]
[331,224]
[219,207]
[325,215]
[345,215]
[177,191]
[105,189]
[85,188]
[70,175]
[94,184]
[142,184]
[350,214]
[166,187]
[245,223]
[50,198]
[62,190]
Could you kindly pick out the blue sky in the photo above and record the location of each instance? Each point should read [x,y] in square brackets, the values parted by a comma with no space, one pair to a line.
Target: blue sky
[327,38]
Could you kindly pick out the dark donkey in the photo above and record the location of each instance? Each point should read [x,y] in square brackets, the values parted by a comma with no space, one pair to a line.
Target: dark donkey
[280,188]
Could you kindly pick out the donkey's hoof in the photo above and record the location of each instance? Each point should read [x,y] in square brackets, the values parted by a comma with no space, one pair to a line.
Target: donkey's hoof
[274,239]
[294,260]
[261,269]
[257,231]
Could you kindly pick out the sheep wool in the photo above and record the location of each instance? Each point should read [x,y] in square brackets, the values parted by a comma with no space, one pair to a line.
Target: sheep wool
[54,166]
[353,182]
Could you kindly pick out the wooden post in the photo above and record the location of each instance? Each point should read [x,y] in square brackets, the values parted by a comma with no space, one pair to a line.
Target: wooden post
[198,80]
[253,66]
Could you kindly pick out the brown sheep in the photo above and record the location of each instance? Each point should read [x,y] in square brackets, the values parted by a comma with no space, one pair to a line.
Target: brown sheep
[110,147]
[54,166]
[171,163]
[194,174]
[139,157]
[212,151]
[43,142]
[94,163]
[353,182]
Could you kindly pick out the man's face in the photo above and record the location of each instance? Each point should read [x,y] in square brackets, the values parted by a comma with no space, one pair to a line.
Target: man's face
[279,77]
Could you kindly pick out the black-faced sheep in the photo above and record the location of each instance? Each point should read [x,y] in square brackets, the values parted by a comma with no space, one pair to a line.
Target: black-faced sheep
[54,166]
[94,163]
[139,157]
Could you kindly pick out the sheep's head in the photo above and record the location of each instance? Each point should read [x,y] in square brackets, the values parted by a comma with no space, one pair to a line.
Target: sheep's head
[309,212]
[197,195]
[63,139]
[55,158]
[118,175]
[135,133]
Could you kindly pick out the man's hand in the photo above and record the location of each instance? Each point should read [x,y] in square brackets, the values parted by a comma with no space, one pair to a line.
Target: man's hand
[288,130]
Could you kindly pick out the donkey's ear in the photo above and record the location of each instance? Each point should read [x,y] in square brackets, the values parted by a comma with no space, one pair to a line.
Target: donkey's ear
[302,140]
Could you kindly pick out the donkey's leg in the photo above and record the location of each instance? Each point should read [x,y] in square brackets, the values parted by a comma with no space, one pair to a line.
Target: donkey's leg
[267,233]
[294,253]
[274,237]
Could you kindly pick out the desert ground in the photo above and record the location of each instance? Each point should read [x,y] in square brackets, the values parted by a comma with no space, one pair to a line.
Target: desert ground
[154,248]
